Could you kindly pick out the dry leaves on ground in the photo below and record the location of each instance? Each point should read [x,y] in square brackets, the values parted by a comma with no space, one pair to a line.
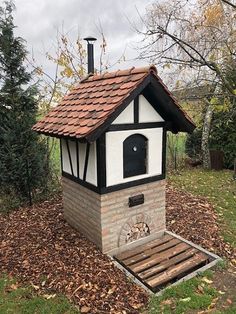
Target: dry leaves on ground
[39,247]
[194,218]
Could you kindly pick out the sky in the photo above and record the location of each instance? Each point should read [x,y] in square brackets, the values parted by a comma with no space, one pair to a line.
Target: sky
[37,21]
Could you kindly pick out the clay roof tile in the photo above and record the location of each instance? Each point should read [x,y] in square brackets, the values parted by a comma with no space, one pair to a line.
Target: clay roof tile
[91,102]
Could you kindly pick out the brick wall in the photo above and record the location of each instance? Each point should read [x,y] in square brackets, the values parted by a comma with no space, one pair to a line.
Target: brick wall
[82,210]
[106,219]
[117,217]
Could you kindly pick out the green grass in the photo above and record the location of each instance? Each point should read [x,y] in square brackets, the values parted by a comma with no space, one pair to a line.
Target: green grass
[16,299]
[231,310]
[176,142]
[219,187]
[194,294]
[176,150]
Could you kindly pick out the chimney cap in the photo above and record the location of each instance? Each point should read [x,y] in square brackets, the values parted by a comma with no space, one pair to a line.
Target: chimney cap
[90,39]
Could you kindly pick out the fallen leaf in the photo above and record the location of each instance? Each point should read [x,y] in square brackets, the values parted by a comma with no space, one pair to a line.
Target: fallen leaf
[57,247]
[137,306]
[85,309]
[35,287]
[49,296]
[213,303]
[207,280]
[166,302]
[200,288]
[13,286]
[112,290]
[186,299]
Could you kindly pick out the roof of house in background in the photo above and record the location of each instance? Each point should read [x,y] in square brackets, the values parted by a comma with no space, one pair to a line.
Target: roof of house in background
[90,107]
[195,93]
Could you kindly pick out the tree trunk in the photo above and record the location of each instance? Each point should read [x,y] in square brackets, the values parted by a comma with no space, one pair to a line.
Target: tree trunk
[205,136]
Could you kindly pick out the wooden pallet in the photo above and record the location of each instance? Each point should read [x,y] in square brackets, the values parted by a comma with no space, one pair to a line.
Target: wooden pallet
[162,261]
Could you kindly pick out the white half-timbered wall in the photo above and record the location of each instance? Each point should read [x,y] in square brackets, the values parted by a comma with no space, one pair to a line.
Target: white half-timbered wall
[114,154]
[114,143]
[114,148]
[91,175]
[126,116]
[146,113]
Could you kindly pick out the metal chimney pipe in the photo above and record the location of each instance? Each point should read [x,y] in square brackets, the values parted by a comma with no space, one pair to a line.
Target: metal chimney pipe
[90,41]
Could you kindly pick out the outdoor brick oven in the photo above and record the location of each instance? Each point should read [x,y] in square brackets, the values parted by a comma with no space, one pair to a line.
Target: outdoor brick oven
[112,129]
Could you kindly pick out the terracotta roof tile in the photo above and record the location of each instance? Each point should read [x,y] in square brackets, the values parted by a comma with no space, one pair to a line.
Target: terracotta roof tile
[91,102]
[127,85]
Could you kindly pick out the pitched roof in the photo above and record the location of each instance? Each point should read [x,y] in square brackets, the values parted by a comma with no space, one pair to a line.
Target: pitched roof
[94,101]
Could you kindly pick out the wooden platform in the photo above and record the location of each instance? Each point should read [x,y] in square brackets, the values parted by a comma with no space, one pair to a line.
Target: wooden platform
[162,261]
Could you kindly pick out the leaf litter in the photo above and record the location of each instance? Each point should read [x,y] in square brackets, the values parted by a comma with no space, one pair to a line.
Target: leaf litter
[39,247]
[195,219]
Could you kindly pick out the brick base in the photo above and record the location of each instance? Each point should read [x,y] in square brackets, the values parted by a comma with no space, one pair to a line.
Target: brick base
[106,219]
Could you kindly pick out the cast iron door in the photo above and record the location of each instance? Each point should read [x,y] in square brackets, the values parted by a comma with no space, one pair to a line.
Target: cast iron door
[134,155]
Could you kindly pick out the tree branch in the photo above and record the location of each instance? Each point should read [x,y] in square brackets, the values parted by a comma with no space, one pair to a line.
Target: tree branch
[229,3]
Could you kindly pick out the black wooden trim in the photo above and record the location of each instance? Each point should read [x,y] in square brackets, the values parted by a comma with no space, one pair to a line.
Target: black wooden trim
[136,109]
[68,150]
[131,126]
[152,97]
[164,152]
[96,133]
[112,188]
[81,182]
[98,144]
[132,183]
[170,108]
[101,161]
[77,157]
[167,108]
[86,161]
[61,154]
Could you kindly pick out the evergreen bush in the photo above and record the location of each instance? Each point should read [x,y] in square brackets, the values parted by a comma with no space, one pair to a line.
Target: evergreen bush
[223,136]
[23,154]
[193,144]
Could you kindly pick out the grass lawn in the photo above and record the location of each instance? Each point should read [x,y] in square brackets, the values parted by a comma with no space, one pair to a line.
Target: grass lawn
[213,291]
[16,299]
[203,293]
[175,150]
[220,189]
[194,294]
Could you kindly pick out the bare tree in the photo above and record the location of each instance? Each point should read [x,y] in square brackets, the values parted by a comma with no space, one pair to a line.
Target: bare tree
[69,58]
[196,38]
[229,3]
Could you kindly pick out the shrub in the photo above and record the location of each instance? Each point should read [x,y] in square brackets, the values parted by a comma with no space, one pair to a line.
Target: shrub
[24,161]
[193,144]
[223,136]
